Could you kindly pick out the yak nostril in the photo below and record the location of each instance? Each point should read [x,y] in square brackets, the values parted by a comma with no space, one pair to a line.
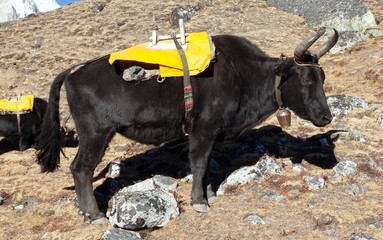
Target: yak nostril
[327,118]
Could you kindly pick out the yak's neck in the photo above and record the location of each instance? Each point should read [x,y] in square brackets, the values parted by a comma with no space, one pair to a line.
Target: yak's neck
[259,98]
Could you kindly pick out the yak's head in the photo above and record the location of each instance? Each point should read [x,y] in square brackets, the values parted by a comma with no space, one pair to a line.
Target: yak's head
[300,81]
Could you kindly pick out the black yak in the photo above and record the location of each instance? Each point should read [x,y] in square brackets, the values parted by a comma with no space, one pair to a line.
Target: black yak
[30,124]
[234,94]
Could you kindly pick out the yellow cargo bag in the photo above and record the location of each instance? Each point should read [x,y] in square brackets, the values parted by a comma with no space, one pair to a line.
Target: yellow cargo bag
[199,51]
[20,104]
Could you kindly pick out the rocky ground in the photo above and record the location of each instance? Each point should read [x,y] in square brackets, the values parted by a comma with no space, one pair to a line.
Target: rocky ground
[42,206]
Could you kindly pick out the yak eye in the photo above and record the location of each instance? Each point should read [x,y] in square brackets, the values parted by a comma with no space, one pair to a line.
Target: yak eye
[307,81]
[314,74]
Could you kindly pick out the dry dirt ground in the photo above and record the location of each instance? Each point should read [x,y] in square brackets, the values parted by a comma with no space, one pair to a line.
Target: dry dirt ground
[35,49]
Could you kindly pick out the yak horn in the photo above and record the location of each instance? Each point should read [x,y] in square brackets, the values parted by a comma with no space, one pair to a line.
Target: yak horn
[325,47]
[303,46]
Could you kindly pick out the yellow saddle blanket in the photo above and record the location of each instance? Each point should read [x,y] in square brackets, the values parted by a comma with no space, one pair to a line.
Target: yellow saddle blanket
[199,51]
[20,104]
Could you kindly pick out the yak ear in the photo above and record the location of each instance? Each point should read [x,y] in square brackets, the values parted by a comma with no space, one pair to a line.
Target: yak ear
[280,68]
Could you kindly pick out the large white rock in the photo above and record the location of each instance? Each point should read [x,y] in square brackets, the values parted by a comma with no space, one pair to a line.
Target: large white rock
[14,9]
[352,18]
[137,210]
[265,166]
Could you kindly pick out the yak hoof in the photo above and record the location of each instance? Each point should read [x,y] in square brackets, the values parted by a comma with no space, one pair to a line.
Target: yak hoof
[202,208]
[213,199]
[99,221]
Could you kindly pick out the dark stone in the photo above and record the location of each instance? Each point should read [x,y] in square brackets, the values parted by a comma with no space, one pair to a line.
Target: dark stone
[99,6]
[184,13]
[326,222]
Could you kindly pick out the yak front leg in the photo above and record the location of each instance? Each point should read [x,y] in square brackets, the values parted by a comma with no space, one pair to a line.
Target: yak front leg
[199,151]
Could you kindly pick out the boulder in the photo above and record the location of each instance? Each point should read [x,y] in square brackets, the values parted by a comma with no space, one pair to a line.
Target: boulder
[351,18]
[146,204]
[147,209]
[341,105]
[265,166]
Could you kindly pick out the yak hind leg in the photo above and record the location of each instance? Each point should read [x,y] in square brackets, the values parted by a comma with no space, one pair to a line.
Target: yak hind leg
[90,153]
[199,151]
[211,195]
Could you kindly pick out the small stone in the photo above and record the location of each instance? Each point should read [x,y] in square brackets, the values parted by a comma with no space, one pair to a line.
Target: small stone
[375,166]
[345,168]
[357,189]
[355,135]
[19,208]
[326,222]
[98,7]
[314,182]
[256,220]
[341,127]
[379,119]
[114,169]
[360,236]
[117,234]
[377,225]
[184,13]
[298,168]
[271,194]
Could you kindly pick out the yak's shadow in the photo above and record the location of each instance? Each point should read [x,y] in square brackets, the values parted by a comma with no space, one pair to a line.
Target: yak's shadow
[11,142]
[171,159]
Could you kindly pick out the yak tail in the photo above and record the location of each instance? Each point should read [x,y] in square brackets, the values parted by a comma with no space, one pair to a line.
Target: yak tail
[49,142]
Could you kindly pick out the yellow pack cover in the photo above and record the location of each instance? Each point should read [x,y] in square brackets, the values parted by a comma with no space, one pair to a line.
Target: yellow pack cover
[199,53]
[24,103]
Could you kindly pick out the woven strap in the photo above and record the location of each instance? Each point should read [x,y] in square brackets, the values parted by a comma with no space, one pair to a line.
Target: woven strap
[188,91]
